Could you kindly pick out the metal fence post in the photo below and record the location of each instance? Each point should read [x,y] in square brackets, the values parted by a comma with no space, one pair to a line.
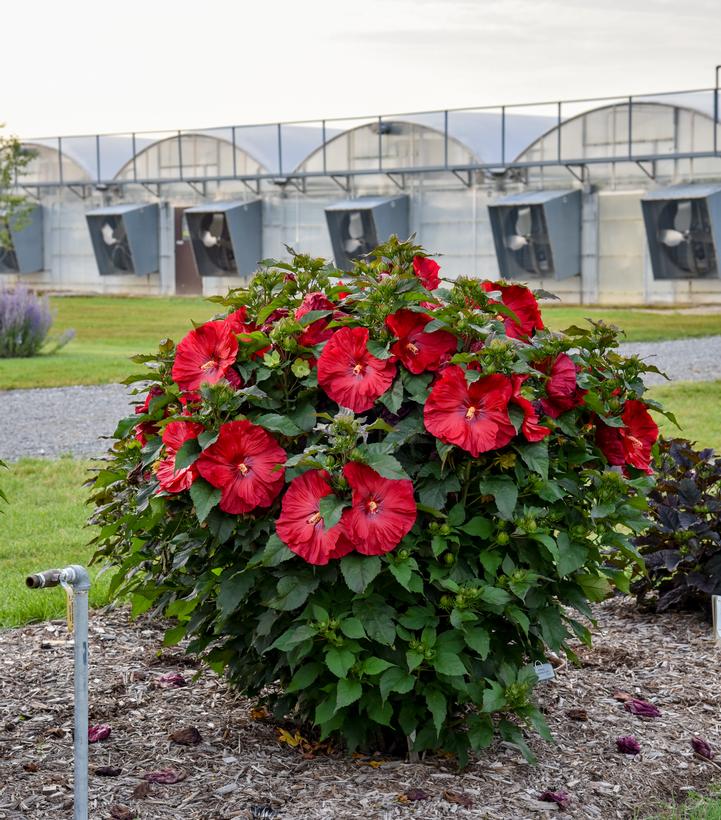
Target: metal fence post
[77,583]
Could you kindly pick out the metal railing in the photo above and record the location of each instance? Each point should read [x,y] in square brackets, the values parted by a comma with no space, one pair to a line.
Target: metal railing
[490,137]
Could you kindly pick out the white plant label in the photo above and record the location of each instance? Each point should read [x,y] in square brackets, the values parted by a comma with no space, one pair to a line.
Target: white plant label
[544,671]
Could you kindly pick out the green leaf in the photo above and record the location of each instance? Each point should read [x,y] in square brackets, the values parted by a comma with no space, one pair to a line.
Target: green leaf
[349,691]
[331,508]
[293,636]
[395,679]
[304,677]
[456,515]
[374,666]
[206,438]
[377,619]
[274,553]
[393,398]
[571,555]
[279,424]
[494,698]
[293,591]
[325,710]
[339,660]
[478,526]
[380,351]
[383,463]
[352,628]
[304,417]
[233,590]
[359,570]
[448,663]
[596,587]
[552,628]
[437,706]
[504,491]
[402,573]
[495,596]
[380,711]
[535,456]
[187,454]
[478,639]
[204,496]
[480,731]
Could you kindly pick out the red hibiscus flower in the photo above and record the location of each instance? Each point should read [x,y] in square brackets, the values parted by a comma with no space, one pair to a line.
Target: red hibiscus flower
[531,429]
[473,417]
[349,374]
[206,354]
[243,463]
[145,429]
[238,321]
[174,437]
[417,349]
[383,510]
[301,525]
[630,444]
[562,391]
[426,269]
[276,315]
[523,303]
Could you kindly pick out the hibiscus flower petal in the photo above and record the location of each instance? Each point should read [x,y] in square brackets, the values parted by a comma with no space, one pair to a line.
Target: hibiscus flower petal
[349,374]
[383,510]
[244,464]
[426,269]
[473,417]
[525,306]
[300,525]
[205,355]
[419,351]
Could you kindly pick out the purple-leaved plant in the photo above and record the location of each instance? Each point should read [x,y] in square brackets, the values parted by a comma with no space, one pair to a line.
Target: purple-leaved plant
[25,320]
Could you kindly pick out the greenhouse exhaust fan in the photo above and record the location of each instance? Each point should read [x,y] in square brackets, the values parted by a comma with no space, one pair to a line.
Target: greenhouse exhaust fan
[21,242]
[683,229]
[538,233]
[125,239]
[356,226]
[226,237]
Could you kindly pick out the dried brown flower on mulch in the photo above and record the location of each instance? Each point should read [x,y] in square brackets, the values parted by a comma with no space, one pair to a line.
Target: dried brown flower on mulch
[243,765]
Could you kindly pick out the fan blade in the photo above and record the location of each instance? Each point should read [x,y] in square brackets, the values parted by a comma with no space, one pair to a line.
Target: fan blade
[523,222]
[682,220]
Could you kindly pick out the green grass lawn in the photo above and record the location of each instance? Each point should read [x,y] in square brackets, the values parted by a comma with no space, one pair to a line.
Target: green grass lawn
[110,329]
[696,406]
[639,325]
[43,528]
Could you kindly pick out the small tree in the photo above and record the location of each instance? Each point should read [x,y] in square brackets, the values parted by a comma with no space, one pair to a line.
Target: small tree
[14,158]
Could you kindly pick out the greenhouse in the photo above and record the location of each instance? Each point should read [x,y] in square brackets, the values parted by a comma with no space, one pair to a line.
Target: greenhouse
[555,194]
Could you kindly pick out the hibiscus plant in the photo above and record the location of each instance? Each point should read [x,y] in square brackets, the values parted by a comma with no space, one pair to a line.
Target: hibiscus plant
[376,499]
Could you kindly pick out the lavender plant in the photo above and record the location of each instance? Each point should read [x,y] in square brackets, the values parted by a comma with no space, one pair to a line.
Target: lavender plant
[25,320]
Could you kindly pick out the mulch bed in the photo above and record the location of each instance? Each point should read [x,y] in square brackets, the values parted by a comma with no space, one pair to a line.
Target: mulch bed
[239,768]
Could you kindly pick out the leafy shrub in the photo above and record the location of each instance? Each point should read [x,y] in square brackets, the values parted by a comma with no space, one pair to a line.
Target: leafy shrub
[376,502]
[682,547]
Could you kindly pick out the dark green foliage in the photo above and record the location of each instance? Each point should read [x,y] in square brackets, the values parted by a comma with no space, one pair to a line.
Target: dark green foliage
[682,548]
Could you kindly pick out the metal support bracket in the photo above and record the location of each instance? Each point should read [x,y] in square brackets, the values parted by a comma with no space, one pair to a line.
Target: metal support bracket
[155,191]
[650,174]
[201,189]
[34,194]
[582,177]
[465,177]
[344,186]
[253,188]
[298,184]
[80,191]
[392,177]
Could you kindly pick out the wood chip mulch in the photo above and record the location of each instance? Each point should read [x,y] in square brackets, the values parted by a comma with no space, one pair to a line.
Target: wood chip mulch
[228,761]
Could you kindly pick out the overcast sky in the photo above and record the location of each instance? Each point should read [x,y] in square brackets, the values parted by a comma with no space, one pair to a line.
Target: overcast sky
[86,66]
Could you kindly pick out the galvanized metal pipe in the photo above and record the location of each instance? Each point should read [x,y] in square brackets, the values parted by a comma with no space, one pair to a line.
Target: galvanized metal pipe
[77,578]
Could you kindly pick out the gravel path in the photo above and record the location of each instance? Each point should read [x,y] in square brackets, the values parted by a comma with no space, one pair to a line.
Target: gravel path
[696,360]
[55,421]
[51,422]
